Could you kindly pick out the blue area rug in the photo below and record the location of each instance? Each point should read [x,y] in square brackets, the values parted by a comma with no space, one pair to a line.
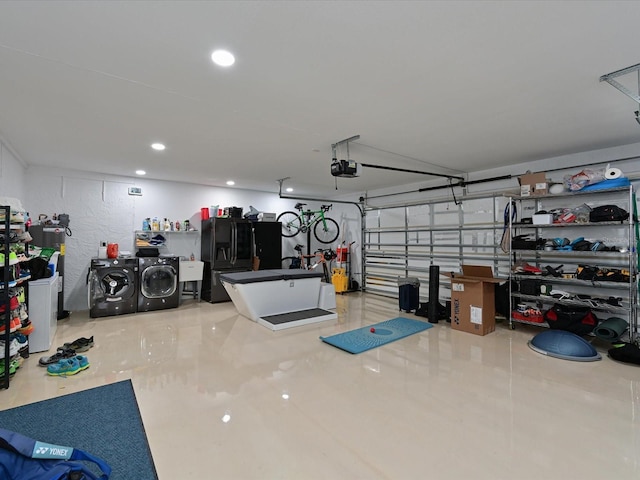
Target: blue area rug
[363,339]
[104,421]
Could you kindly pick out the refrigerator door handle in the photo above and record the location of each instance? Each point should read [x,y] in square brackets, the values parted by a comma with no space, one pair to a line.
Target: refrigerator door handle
[234,243]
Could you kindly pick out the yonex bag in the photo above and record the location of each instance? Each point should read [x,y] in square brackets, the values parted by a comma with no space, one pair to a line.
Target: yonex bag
[22,458]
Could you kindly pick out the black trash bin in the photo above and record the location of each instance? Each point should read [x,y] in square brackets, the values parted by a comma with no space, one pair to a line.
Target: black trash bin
[409,293]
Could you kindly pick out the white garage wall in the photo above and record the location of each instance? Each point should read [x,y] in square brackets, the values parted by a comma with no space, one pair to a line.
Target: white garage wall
[101,209]
[11,174]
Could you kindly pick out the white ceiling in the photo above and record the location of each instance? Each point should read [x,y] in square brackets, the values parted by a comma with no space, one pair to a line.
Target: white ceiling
[426,85]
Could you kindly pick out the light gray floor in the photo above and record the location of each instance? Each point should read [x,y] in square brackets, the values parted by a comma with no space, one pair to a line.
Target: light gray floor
[223,397]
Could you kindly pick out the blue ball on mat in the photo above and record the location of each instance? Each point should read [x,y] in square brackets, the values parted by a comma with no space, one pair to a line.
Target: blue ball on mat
[564,345]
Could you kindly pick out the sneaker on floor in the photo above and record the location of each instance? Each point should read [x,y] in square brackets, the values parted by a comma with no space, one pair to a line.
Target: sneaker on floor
[68,366]
[61,354]
[80,345]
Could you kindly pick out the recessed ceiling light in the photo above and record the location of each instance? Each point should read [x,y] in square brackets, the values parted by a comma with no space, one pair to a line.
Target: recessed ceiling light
[140,172]
[289,189]
[158,146]
[230,182]
[223,58]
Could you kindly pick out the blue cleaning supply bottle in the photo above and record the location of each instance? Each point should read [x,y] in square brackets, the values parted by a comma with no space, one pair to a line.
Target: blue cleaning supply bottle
[146,226]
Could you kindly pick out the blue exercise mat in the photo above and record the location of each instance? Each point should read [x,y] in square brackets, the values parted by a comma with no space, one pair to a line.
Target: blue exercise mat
[104,421]
[363,339]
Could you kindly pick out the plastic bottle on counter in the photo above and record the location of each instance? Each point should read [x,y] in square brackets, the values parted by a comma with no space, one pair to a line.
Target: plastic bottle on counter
[145,224]
[167,225]
[193,257]
[102,250]
[155,225]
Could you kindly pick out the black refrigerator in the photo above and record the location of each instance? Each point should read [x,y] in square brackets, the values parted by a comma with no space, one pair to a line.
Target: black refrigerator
[226,246]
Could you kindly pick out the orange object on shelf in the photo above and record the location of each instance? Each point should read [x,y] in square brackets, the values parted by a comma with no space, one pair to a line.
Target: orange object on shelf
[112,250]
[536,317]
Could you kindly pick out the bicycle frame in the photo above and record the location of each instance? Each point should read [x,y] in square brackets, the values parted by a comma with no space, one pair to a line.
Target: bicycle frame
[308,218]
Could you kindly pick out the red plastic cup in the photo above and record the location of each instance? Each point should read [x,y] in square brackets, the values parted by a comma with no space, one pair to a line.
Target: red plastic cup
[204,213]
[112,250]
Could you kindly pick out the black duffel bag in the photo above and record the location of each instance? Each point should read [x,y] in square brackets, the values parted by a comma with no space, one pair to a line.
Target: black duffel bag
[578,320]
[525,242]
[608,213]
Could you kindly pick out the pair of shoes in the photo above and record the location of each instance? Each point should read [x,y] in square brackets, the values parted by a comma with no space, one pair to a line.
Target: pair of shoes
[80,345]
[18,293]
[26,328]
[13,258]
[25,237]
[11,236]
[61,354]
[14,365]
[22,312]
[68,366]
[13,304]
[17,217]
[14,325]
[14,347]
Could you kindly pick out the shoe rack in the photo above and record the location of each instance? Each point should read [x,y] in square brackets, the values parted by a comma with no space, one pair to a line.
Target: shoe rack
[11,322]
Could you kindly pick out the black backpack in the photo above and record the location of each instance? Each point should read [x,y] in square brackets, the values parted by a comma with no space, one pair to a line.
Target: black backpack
[608,213]
[39,268]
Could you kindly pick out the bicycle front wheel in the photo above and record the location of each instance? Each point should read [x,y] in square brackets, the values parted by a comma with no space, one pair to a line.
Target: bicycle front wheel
[290,223]
[329,234]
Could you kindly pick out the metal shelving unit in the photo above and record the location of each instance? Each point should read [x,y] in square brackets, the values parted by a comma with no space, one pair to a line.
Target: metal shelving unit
[618,234]
[7,282]
[4,296]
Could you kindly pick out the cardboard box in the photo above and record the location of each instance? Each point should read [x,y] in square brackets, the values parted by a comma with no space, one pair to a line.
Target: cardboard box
[473,307]
[533,184]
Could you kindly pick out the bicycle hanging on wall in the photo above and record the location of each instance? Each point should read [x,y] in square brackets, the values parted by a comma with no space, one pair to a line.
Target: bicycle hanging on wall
[325,229]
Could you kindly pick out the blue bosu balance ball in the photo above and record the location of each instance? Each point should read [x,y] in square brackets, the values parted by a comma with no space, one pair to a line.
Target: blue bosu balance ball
[564,345]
